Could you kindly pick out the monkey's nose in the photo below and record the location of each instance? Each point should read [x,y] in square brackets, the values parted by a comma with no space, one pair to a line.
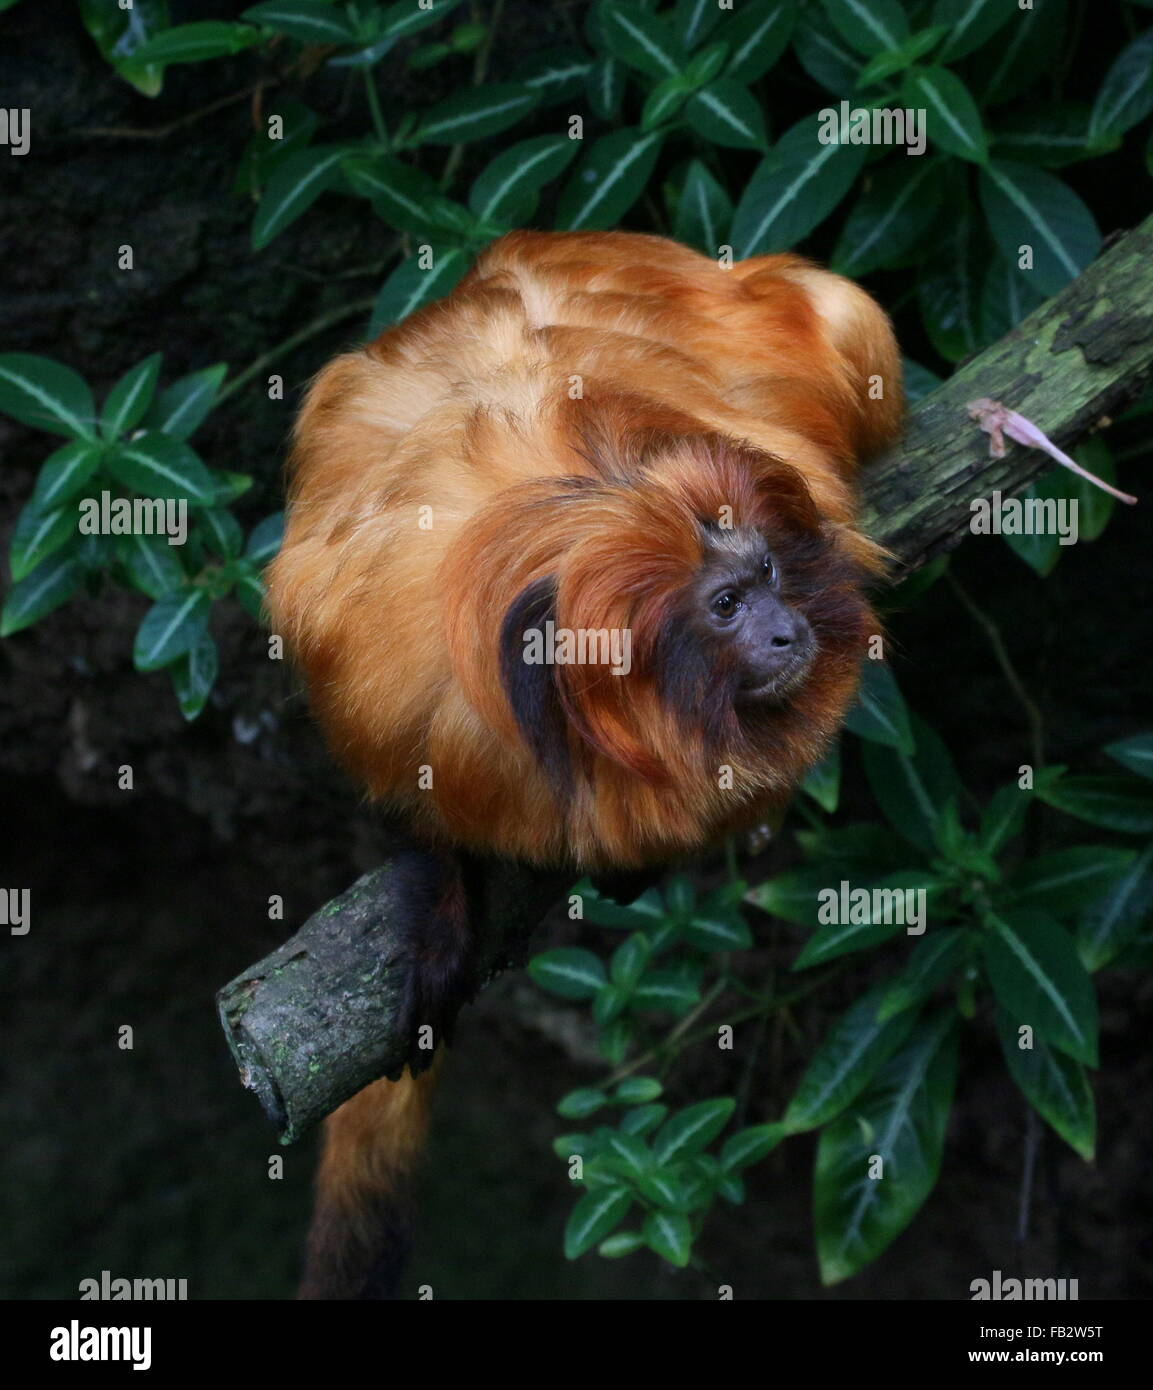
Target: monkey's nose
[791,629]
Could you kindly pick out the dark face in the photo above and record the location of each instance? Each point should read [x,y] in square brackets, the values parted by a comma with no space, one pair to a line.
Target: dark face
[737,607]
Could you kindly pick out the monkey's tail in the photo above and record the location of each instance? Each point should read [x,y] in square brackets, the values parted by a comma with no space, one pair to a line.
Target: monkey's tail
[361,1232]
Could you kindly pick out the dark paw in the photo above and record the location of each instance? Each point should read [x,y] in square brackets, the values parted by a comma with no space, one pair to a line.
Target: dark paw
[440,974]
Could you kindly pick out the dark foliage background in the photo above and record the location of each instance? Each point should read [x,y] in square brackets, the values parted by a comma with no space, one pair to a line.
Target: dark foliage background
[153,1162]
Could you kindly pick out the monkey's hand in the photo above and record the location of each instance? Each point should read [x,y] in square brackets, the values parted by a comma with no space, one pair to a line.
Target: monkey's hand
[441,974]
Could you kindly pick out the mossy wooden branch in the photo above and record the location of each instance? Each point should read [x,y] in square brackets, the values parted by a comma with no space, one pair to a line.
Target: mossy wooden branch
[315,1021]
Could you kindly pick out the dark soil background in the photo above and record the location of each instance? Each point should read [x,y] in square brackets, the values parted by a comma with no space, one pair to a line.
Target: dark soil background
[153,1162]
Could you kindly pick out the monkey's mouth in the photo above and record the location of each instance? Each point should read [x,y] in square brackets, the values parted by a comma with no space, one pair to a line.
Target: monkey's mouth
[778,684]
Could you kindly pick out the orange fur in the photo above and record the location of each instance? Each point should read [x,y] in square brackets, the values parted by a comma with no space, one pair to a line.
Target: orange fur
[570,413]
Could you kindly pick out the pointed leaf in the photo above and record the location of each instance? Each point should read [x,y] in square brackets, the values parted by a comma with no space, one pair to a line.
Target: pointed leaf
[47,587]
[900,1120]
[187,403]
[793,190]
[46,394]
[170,628]
[130,397]
[1038,979]
[1054,1085]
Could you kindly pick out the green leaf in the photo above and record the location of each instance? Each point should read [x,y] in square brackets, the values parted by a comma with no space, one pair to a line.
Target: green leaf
[629,961]
[402,19]
[1002,819]
[569,971]
[228,486]
[1008,297]
[668,990]
[1117,803]
[187,403]
[637,1090]
[669,1235]
[627,1155]
[823,780]
[718,930]
[793,190]
[692,1129]
[1032,46]
[153,565]
[156,465]
[194,675]
[222,533]
[594,1217]
[912,792]
[1054,1085]
[1115,917]
[870,26]
[1052,136]
[897,60]
[410,285]
[474,114]
[1135,753]
[512,181]
[47,587]
[193,43]
[1025,206]
[704,211]
[644,1119]
[1064,882]
[265,539]
[725,113]
[880,714]
[556,75]
[695,20]
[37,535]
[63,474]
[954,123]
[170,628]
[850,1056]
[130,398]
[758,33]
[970,23]
[640,39]
[791,895]
[608,180]
[664,101]
[119,33]
[45,394]
[1037,977]
[1126,95]
[949,288]
[311,21]
[824,55]
[623,1243]
[296,183]
[605,87]
[901,1120]
[405,197]
[581,1103]
[933,959]
[249,591]
[749,1146]
[890,217]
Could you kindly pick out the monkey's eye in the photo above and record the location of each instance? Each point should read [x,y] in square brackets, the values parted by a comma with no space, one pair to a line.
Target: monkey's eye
[768,568]
[726,604]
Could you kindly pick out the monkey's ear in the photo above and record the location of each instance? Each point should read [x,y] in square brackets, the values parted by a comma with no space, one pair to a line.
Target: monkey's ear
[531,685]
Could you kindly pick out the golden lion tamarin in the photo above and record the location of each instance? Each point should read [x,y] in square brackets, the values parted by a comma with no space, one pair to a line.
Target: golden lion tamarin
[608,450]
